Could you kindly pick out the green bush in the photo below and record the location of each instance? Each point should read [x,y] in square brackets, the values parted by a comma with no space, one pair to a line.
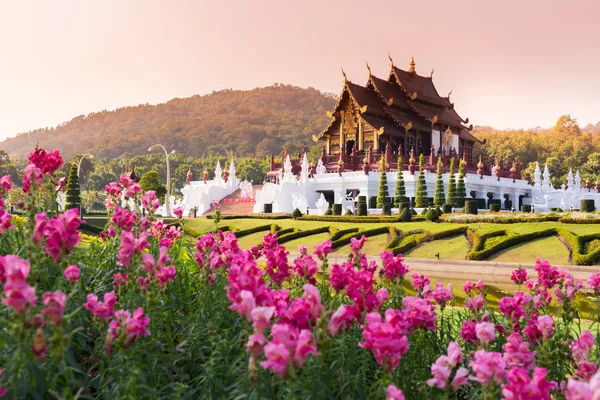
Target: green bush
[495,207]
[362,209]
[250,216]
[151,181]
[349,212]
[303,233]
[329,211]
[337,209]
[461,192]
[447,208]
[405,215]
[526,208]
[431,215]
[373,202]
[73,192]
[387,209]
[382,192]
[400,196]
[353,218]
[268,208]
[451,194]
[296,213]
[421,189]
[587,205]
[471,207]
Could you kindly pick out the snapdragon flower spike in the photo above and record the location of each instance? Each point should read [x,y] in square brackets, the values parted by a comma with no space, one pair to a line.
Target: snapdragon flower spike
[581,347]
[306,267]
[6,185]
[120,280]
[322,250]
[288,347]
[578,389]
[150,202]
[393,393]
[475,304]
[54,303]
[166,275]
[343,318]
[5,218]
[178,212]
[394,269]
[72,274]
[519,276]
[18,294]
[485,332]
[489,368]
[113,189]
[419,282]
[385,341]
[277,264]
[444,366]
[420,313]
[593,283]
[517,353]
[32,175]
[47,162]
[341,275]
[123,218]
[103,310]
[62,234]
[130,245]
[132,326]
[520,386]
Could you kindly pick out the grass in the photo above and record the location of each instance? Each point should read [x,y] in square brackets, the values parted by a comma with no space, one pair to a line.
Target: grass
[550,248]
[455,247]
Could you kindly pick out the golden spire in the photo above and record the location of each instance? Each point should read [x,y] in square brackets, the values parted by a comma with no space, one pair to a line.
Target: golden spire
[431,75]
[392,61]
[450,94]
[345,77]
[369,68]
[412,66]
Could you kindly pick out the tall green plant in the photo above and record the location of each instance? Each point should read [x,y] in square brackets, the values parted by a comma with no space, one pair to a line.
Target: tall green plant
[461,192]
[400,196]
[73,190]
[451,184]
[383,196]
[421,195]
[438,196]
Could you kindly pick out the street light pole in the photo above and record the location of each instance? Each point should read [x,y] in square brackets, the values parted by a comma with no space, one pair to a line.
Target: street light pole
[79,166]
[168,195]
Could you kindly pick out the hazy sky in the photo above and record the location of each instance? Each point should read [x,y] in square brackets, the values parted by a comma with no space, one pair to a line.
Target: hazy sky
[510,63]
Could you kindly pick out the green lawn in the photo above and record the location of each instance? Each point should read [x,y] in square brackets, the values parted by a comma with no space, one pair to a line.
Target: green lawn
[550,248]
[455,247]
[373,246]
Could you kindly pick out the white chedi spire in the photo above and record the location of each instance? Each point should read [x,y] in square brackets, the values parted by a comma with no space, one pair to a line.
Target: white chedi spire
[305,168]
[577,181]
[232,171]
[287,169]
[537,176]
[570,180]
[547,184]
[218,173]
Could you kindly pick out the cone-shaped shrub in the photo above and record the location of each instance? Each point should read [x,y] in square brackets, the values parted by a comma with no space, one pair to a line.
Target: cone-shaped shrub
[382,193]
[400,196]
[421,195]
[405,215]
[432,215]
[438,196]
[451,184]
[461,192]
[296,213]
[73,194]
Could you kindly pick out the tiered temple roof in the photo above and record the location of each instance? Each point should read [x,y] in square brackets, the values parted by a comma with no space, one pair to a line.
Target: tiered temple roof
[405,102]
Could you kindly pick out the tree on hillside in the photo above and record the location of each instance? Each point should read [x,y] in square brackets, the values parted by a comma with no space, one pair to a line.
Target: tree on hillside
[383,196]
[461,192]
[421,195]
[438,196]
[73,191]
[151,181]
[451,184]
[400,196]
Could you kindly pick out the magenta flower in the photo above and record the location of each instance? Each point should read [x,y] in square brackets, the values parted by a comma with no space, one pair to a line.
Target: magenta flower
[443,367]
[384,340]
[517,353]
[62,234]
[393,393]
[123,218]
[357,245]
[545,324]
[288,345]
[54,303]
[489,368]
[246,304]
[278,357]
[40,225]
[303,250]
[475,304]
[594,282]
[261,318]
[133,326]
[148,201]
[519,276]
[306,267]
[511,310]
[277,264]
[19,296]
[548,276]
[5,184]
[47,162]
[479,285]
[270,241]
[341,275]
[132,190]
[178,212]
[120,280]
[166,275]
[467,287]
[420,281]
[343,318]
[421,313]
[582,390]
[5,218]
[323,249]
[256,343]
[103,310]
[394,269]
[520,386]
[485,332]
[582,346]
[72,274]
[113,189]
[130,245]
[31,172]
[16,269]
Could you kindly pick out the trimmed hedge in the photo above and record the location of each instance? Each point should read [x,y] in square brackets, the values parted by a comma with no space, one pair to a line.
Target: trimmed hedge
[526,208]
[341,233]
[337,209]
[495,207]
[461,230]
[387,209]
[447,208]
[362,209]
[301,234]
[296,213]
[250,231]
[578,247]
[571,220]
[477,253]
[251,216]
[373,202]
[587,205]
[348,237]
[471,207]
[356,218]
[268,208]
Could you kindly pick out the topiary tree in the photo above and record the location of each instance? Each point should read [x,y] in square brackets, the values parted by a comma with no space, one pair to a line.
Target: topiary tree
[382,193]
[73,190]
[421,195]
[438,196]
[151,181]
[451,185]
[405,215]
[400,196]
[461,192]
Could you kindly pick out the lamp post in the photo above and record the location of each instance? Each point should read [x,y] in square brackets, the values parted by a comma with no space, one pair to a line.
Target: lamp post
[168,195]
[79,166]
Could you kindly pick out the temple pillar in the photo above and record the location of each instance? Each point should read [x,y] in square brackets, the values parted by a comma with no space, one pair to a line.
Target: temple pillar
[361,138]
[342,139]
[328,145]
[375,140]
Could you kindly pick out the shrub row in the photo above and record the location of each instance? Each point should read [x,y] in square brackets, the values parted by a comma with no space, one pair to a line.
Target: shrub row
[246,232]
[251,216]
[367,232]
[577,244]
[571,220]
[411,241]
[460,230]
[357,219]
[303,233]
[338,234]
[477,253]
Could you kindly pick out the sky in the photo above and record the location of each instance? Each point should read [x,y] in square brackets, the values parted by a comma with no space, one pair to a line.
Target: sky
[510,64]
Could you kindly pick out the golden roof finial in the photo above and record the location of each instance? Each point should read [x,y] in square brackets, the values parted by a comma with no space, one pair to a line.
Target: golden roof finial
[369,68]
[450,94]
[390,57]
[431,75]
[345,77]
[412,66]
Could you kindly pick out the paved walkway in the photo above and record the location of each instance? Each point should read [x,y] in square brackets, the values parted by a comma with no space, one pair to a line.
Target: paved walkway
[496,273]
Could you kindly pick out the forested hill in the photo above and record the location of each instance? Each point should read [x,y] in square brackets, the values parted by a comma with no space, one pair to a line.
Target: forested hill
[248,123]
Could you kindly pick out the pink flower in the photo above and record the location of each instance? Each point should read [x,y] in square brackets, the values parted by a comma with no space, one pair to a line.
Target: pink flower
[256,343]
[545,324]
[149,201]
[511,310]
[130,245]
[594,282]
[178,212]
[5,218]
[444,365]
[517,353]
[382,295]
[479,285]
[343,318]
[246,305]
[47,162]
[394,269]
[288,345]
[421,313]
[489,368]
[548,275]
[582,346]
[166,275]
[520,386]
[120,280]
[54,303]
[306,267]
[341,275]
[62,234]
[303,250]
[5,184]
[113,189]
[261,318]
[277,265]
[393,393]
[123,218]
[103,310]
[19,296]
[133,326]
[72,274]
[440,294]
[214,204]
[16,269]
[420,281]
[31,171]
[519,276]
[461,378]
[132,190]
[303,347]
[323,249]
[357,245]
[277,359]
[384,340]
[485,332]
[467,287]
[40,225]
[581,390]
[475,304]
